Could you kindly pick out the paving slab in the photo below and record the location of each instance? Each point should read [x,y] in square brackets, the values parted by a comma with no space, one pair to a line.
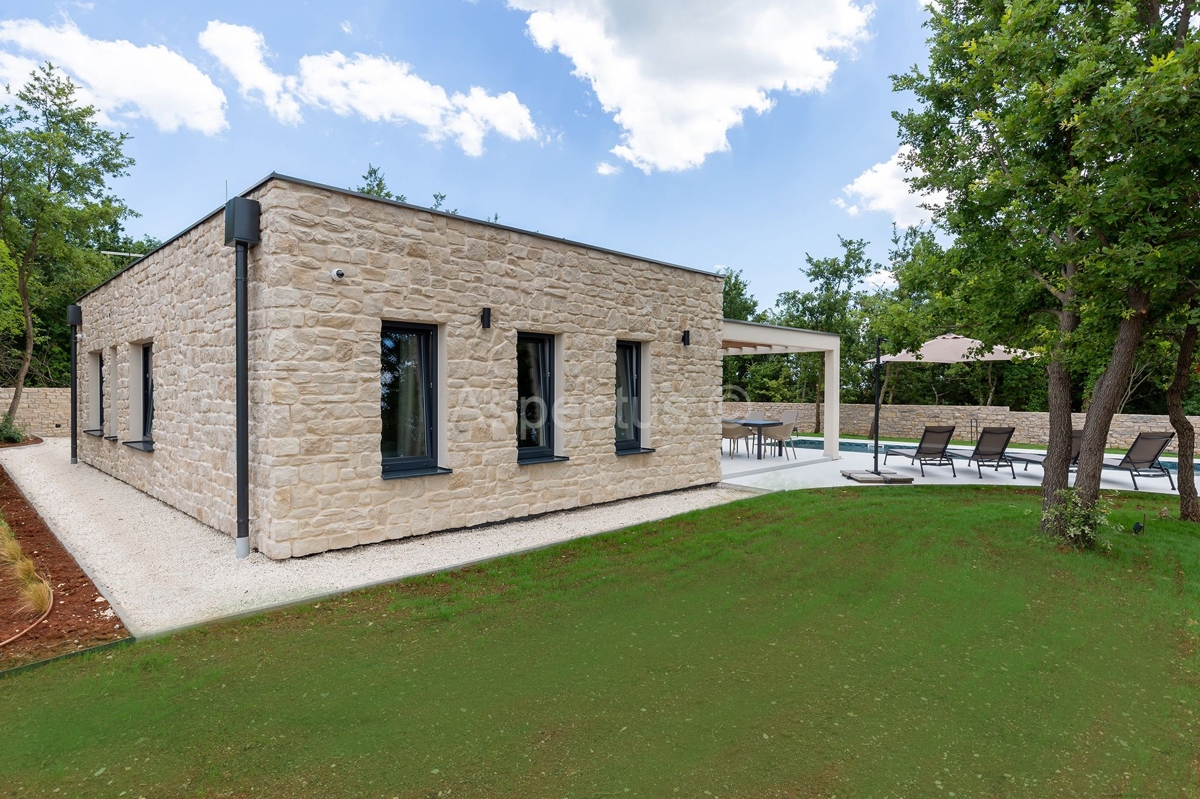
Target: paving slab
[163,570]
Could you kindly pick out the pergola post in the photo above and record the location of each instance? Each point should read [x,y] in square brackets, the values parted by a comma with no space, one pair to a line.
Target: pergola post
[833,398]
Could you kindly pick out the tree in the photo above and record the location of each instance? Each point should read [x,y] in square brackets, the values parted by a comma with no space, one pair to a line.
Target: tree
[1185,363]
[833,304]
[737,303]
[373,183]
[55,164]
[1062,135]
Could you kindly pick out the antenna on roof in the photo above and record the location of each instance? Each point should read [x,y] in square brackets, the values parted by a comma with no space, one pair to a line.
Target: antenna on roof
[227,190]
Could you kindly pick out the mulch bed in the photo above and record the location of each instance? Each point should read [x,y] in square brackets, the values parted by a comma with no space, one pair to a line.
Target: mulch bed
[81,617]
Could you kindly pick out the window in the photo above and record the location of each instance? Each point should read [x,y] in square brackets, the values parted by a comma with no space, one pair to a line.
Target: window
[629,396]
[535,398]
[110,396]
[95,416]
[147,391]
[141,398]
[100,388]
[408,399]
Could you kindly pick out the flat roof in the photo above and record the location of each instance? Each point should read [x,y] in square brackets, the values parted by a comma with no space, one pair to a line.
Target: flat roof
[338,190]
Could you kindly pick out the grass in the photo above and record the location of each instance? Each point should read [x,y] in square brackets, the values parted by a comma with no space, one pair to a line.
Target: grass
[34,588]
[912,641]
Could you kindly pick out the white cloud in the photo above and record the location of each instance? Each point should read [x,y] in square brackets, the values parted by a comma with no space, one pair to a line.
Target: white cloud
[678,74]
[606,169]
[883,188]
[243,51]
[119,78]
[375,88]
[347,28]
[883,279]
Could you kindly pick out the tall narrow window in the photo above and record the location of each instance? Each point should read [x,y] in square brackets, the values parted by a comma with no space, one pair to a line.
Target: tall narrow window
[100,396]
[629,395]
[408,399]
[535,397]
[147,392]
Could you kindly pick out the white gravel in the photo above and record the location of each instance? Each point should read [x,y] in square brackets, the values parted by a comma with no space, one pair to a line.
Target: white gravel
[162,570]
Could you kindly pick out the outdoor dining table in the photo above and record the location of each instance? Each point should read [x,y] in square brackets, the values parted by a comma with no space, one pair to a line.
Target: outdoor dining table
[758,425]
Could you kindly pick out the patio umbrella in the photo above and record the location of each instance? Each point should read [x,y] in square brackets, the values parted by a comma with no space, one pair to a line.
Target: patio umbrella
[952,348]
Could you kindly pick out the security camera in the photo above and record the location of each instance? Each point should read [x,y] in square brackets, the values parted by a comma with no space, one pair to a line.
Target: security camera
[337,274]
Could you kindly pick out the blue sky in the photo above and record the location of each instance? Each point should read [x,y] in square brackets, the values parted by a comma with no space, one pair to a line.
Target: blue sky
[612,122]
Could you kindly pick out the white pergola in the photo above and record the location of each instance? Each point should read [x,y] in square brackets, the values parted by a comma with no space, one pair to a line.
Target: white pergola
[752,338]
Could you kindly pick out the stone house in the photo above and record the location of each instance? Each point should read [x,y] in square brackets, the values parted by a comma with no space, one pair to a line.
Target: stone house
[406,371]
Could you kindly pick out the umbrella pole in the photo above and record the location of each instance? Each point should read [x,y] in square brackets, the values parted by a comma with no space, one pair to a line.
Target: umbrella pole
[878,355]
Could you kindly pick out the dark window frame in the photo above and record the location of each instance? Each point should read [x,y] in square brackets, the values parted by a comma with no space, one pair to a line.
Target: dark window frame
[545,452]
[632,445]
[100,388]
[413,465]
[146,442]
[148,392]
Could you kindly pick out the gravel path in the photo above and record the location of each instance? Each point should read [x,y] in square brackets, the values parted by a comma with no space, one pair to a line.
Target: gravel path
[162,570]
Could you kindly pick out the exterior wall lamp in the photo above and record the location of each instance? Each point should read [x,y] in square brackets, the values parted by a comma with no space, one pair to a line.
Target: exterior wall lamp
[485,318]
[687,338]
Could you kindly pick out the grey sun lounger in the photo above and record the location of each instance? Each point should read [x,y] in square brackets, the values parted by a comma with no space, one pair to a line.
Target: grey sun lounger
[1039,458]
[931,451]
[1142,459]
[989,450]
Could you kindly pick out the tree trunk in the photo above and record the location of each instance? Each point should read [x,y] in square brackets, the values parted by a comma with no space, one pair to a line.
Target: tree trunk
[887,375]
[27,354]
[1189,508]
[1106,396]
[1057,466]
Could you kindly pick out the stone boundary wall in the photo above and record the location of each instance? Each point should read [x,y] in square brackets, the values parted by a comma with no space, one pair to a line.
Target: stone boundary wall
[908,421]
[43,412]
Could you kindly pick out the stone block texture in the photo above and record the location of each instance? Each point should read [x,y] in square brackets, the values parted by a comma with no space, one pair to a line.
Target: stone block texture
[316,480]
[43,411]
[908,421]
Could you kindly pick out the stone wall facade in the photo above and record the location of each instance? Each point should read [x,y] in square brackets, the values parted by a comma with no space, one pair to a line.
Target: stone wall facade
[316,479]
[908,421]
[180,298]
[44,412]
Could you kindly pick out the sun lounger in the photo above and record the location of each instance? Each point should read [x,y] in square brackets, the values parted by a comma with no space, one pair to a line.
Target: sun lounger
[931,451]
[989,450]
[1039,458]
[1142,459]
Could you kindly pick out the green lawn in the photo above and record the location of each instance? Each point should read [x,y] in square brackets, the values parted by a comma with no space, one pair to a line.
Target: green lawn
[858,642]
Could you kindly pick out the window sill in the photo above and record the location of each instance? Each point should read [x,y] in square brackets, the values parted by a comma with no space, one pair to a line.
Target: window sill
[96,433]
[543,459]
[144,446]
[110,438]
[426,472]
[638,451]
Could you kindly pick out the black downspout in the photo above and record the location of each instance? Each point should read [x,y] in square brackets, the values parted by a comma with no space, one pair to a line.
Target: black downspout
[74,319]
[242,400]
[242,231]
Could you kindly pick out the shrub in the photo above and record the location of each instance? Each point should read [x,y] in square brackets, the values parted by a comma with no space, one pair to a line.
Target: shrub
[10,550]
[38,596]
[10,431]
[1079,526]
[25,569]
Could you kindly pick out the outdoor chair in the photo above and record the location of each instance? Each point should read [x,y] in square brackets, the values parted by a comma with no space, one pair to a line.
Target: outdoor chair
[1142,459]
[990,450]
[734,433]
[756,416]
[1039,458]
[931,451]
[782,433]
